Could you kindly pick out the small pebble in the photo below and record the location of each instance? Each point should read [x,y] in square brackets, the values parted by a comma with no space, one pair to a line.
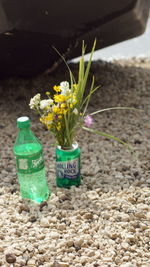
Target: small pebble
[10,258]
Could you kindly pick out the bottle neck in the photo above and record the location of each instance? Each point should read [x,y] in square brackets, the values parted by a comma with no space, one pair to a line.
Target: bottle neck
[24,130]
[25,135]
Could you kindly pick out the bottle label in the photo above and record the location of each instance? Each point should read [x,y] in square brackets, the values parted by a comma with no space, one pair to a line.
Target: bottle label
[68,169]
[30,164]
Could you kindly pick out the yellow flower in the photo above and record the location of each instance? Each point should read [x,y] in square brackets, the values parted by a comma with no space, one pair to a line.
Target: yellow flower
[74,98]
[56,88]
[58,126]
[64,111]
[72,101]
[47,119]
[47,93]
[75,85]
[63,105]
[56,109]
[59,98]
[49,126]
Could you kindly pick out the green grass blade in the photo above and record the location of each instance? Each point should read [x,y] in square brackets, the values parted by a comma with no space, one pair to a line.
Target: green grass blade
[89,96]
[67,131]
[113,108]
[63,59]
[108,136]
[81,64]
[85,76]
[88,67]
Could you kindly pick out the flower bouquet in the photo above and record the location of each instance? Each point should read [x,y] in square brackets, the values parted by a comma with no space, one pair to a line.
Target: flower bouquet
[64,112]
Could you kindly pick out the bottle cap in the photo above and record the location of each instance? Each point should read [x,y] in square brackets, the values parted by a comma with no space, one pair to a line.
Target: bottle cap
[23,122]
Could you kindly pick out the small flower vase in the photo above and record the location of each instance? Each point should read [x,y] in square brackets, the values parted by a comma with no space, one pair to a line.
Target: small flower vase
[68,166]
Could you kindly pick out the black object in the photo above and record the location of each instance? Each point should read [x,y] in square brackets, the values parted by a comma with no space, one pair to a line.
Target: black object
[29,29]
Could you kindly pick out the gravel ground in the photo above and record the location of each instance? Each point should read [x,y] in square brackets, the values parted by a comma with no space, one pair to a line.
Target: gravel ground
[104,222]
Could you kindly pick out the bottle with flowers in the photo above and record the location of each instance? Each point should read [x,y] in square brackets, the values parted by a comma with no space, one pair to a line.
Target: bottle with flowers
[64,113]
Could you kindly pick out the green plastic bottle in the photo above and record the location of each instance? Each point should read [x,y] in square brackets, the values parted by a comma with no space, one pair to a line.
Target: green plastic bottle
[68,166]
[30,163]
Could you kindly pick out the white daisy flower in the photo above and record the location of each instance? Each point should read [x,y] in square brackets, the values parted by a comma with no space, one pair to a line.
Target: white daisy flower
[75,111]
[46,102]
[64,87]
[34,102]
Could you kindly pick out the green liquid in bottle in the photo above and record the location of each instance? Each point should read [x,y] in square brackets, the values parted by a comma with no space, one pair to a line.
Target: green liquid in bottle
[30,163]
[32,179]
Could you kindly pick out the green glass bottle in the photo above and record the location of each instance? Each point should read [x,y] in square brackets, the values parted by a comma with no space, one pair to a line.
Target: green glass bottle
[68,166]
[30,163]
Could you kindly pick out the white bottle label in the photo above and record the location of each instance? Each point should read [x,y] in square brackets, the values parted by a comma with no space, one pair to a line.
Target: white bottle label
[23,164]
[67,169]
[30,164]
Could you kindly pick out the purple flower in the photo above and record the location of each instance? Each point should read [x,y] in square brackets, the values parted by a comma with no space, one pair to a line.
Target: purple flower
[88,120]
[56,117]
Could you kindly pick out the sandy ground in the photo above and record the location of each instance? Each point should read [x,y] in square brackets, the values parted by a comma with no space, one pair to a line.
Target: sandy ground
[104,222]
